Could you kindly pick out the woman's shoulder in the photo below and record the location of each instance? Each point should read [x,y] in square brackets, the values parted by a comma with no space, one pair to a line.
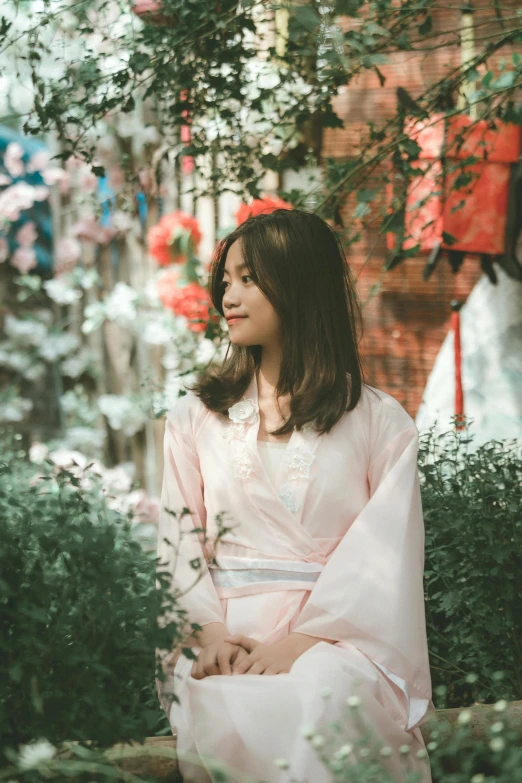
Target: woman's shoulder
[187,414]
[383,412]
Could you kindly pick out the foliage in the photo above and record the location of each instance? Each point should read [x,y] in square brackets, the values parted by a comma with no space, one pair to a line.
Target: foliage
[81,612]
[471,501]
[199,68]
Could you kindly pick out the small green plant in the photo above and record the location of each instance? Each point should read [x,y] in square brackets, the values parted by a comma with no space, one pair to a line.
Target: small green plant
[472,500]
[81,614]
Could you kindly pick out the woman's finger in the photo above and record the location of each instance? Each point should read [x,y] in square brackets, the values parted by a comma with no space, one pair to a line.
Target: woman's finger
[257,668]
[245,641]
[224,658]
[243,666]
[273,669]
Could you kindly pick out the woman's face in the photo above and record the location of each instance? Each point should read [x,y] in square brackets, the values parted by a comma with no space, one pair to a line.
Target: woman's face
[260,324]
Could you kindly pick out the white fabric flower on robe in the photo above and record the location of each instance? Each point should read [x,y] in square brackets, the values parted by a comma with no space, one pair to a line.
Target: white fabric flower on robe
[244,412]
[297,463]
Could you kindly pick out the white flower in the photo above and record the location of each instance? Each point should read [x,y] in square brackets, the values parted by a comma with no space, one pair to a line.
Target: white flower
[122,413]
[36,753]
[432,745]
[353,701]
[281,763]
[35,372]
[59,345]
[15,409]
[244,412]
[61,292]
[120,305]
[497,744]
[343,751]
[38,452]
[404,749]
[364,752]
[205,351]
[24,331]
[157,333]
[480,778]
[243,465]
[119,478]
[497,727]
[500,706]
[385,751]
[464,717]
[317,741]
[76,365]
[87,439]
[307,732]
[421,754]
[67,458]
[94,317]
[297,463]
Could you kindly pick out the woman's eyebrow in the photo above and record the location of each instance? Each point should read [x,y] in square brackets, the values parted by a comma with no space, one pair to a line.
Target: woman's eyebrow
[238,267]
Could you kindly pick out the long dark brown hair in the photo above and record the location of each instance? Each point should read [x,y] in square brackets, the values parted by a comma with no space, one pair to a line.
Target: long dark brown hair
[296,259]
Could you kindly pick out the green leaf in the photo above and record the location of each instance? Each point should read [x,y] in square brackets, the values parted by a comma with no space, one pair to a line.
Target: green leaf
[448,239]
[426,27]
[504,81]
[307,17]
[347,7]
[364,196]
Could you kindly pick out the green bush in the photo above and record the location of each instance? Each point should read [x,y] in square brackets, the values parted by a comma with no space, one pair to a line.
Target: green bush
[472,501]
[81,613]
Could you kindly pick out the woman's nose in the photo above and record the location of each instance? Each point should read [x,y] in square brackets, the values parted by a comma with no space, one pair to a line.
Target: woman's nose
[230,298]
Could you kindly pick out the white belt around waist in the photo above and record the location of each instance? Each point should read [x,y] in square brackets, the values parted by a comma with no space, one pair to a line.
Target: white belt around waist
[231,572]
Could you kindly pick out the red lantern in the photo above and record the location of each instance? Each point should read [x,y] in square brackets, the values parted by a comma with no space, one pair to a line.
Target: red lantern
[458,207]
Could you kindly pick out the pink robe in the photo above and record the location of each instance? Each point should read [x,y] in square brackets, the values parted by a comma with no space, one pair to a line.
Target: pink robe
[333,549]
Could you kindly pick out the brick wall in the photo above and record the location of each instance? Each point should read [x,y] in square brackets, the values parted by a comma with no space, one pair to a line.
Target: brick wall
[408,319]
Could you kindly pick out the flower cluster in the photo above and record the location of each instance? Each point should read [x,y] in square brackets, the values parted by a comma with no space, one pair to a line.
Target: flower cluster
[260,206]
[173,238]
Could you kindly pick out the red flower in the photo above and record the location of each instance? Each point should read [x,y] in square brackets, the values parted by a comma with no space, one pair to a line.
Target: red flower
[163,238]
[259,206]
[191,300]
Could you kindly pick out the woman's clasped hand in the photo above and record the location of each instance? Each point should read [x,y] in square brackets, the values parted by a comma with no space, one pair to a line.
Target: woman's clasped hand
[241,654]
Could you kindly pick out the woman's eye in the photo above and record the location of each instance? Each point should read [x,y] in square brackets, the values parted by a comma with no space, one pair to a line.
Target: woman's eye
[246,276]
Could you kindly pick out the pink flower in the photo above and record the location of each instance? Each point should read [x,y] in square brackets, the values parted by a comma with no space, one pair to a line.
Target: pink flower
[13,159]
[27,234]
[88,181]
[38,162]
[68,253]
[52,175]
[73,162]
[24,259]
[116,177]
[18,197]
[90,229]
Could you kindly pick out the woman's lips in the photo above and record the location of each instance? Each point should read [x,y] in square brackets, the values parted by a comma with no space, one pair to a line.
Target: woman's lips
[235,320]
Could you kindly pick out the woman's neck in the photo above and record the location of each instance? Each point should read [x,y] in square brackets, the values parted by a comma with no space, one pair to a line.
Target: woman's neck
[268,372]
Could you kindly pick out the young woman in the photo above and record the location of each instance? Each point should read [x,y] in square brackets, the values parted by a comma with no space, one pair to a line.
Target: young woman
[320,582]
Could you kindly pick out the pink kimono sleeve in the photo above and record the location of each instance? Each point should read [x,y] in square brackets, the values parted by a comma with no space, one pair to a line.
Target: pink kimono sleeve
[371,591]
[183,487]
